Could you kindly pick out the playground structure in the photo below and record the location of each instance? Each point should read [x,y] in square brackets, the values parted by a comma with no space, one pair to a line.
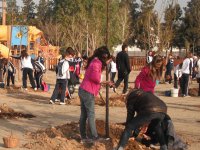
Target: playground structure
[14,39]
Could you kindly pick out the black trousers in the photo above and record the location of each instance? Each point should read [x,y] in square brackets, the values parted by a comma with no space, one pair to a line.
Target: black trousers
[120,79]
[38,78]
[60,83]
[140,120]
[29,72]
[10,76]
[175,81]
[112,76]
[184,84]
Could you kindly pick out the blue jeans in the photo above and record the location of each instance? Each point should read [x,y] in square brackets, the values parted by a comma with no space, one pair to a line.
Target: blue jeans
[87,112]
[60,83]
[138,122]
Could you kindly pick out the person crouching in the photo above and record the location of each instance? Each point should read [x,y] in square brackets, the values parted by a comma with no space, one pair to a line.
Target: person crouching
[148,107]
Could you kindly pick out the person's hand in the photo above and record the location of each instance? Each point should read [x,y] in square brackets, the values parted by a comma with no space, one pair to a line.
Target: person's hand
[107,83]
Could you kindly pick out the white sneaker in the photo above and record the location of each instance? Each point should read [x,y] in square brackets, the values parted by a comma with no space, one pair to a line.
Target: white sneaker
[35,89]
[57,100]
[62,103]
[51,102]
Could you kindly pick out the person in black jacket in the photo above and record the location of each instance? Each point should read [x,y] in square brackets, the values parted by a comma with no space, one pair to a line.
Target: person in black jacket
[11,70]
[148,107]
[123,67]
[40,58]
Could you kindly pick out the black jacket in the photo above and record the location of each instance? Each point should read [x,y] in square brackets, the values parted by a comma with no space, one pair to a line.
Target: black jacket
[142,103]
[123,65]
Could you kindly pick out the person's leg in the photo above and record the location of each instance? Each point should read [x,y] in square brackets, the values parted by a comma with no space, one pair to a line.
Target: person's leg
[175,81]
[125,83]
[89,102]
[114,74]
[83,116]
[185,83]
[187,76]
[135,123]
[170,79]
[30,75]
[24,77]
[40,80]
[37,79]
[117,83]
[13,78]
[159,132]
[55,91]
[8,78]
[63,90]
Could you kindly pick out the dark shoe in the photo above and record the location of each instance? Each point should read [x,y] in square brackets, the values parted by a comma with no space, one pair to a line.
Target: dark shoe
[98,139]
[83,141]
[115,90]
[163,147]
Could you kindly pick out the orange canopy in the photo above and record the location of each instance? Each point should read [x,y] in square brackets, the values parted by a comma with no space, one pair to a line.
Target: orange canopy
[4,51]
[3,33]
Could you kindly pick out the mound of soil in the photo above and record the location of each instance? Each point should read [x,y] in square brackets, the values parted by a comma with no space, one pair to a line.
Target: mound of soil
[8,113]
[10,90]
[67,137]
[193,92]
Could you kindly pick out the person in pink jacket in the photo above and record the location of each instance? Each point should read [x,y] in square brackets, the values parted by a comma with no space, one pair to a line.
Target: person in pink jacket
[89,88]
[146,80]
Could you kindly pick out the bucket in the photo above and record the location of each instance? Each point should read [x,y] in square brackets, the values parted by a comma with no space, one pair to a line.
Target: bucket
[174,92]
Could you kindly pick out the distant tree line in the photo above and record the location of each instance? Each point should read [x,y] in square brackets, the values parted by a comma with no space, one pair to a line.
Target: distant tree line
[82,23]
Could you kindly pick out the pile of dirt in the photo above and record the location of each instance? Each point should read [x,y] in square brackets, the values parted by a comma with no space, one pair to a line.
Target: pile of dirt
[67,137]
[114,100]
[193,91]
[8,113]
[10,90]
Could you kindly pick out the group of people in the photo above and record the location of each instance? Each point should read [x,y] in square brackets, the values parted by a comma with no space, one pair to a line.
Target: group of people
[145,112]
[34,69]
[185,71]
[68,72]
[143,107]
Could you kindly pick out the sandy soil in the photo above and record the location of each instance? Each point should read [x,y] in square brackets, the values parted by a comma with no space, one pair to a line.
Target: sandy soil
[48,130]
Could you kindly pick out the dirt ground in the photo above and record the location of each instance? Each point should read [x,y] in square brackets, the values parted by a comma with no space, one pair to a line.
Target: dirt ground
[44,126]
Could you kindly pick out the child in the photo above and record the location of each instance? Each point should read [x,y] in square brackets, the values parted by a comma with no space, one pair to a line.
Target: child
[177,74]
[62,76]
[11,73]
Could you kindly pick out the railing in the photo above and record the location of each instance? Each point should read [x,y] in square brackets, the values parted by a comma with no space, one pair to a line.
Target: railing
[137,63]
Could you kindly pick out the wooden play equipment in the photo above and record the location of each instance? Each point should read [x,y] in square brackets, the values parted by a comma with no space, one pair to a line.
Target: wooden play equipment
[35,41]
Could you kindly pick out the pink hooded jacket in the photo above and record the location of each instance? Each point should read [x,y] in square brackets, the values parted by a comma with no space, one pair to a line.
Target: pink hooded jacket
[143,81]
[92,79]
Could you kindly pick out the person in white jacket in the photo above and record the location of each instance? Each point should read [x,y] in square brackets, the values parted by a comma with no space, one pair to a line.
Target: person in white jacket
[27,65]
[62,77]
[186,73]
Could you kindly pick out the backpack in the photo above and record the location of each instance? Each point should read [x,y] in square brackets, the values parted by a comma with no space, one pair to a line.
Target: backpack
[45,87]
[77,71]
[39,67]
[59,69]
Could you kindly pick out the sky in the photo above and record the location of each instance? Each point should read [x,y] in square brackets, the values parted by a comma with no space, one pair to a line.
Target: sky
[159,5]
